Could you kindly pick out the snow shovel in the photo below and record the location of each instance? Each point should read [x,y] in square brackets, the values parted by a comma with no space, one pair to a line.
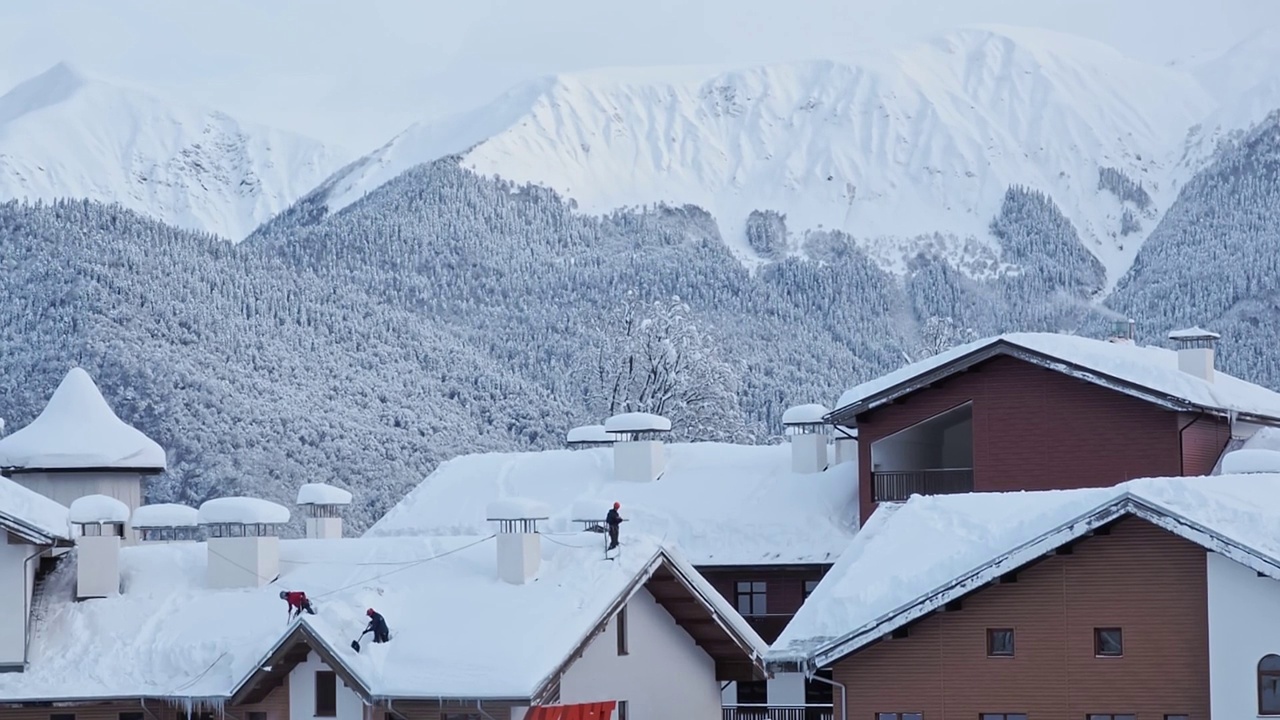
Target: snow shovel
[355,644]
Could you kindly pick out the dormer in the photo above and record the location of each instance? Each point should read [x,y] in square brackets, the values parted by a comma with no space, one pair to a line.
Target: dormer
[243,541]
[166,522]
[77,446]
[638,454]
[322,507]
[98,522]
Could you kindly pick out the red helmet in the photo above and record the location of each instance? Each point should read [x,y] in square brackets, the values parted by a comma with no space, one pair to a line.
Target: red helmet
[617,505]
[369,612]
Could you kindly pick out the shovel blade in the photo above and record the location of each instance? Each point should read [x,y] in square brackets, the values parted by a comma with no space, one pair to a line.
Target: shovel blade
[355,645]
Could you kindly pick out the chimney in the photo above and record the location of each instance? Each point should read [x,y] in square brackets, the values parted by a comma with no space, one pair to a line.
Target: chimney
[1124,332]
[588,436]
[243,541]
[808,434]
[519,545]
[322,506]
[637,452]
[100,520]
[844,444]
[1195,351]
[166,522]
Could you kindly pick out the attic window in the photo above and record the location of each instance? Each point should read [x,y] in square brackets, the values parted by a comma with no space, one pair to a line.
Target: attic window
[326,693]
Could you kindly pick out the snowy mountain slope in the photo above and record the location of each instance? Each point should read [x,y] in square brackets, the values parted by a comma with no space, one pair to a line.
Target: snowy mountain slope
[923,141]
[63,134]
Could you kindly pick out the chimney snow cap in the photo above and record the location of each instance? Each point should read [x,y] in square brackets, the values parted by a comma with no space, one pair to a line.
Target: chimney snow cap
[322,494]
[805,417]
[97,510]
[516,509]
[165,515]
[1251,460]
[242,511]
[637,422]
[589,435]
[1194,337]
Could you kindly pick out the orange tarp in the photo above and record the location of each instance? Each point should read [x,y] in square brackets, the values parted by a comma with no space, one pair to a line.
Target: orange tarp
[582,711]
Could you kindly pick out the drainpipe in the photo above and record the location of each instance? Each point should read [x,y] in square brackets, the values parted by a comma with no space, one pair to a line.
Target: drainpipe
[29,602]
[844,706]
[1182,446]
[480,710]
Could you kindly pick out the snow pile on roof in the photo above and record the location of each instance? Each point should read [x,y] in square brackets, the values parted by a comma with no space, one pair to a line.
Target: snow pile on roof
[165,515]
[1251,461]
[33,510]
[513,508]
[804,414]
[77,429]
[322,494]
[594,510]
[242,510]
[589,434]
[637,422]
[95,509]
[1193,333]
[909,553]
[170,635]
[1149,367]
[721,504]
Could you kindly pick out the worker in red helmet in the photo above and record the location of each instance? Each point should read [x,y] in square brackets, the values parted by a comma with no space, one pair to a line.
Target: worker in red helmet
[613,520]
[297,603]
[377,626]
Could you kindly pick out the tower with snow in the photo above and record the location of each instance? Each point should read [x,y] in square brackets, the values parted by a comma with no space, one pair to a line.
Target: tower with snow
[1195,351]
[77,447]
[99,522]
[638,454]
[808,433]
[322,507]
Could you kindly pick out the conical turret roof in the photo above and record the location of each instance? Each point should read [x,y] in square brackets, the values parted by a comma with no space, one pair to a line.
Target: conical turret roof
[79,430]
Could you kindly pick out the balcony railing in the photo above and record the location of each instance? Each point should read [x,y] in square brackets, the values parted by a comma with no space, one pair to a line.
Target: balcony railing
[776,712]
[898,485]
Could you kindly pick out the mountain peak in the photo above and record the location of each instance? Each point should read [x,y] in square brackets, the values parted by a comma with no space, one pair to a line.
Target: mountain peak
[50,87]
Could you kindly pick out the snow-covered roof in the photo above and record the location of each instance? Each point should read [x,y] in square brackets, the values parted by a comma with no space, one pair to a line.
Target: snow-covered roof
[1247,460]
[1193,333]
[589,434]
[95,509]
[242,510]
[30,514]
[911,558]
[804,414]
[322,494]
[170,635]
[165,515]
[77,429]
[637,422]
[1124,367]
[721,504]
[516,508]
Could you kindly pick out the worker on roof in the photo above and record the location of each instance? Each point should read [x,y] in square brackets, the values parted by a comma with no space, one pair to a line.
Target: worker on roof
[297,603]
[613,520]
[377,626]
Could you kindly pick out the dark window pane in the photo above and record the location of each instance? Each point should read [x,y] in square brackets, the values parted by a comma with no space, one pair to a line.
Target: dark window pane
[809,587]
[886,716]
[755,692]
[912,716]
[62,716]
[1108,642]
[1176,717]
[1000,642]
[622,631]
[326,693]
[256,716]
[130,716]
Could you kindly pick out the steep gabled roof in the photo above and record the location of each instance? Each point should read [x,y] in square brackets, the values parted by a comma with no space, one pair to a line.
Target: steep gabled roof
[1148,373]
[31,516]
[79,430]
[914,558]
[720,504]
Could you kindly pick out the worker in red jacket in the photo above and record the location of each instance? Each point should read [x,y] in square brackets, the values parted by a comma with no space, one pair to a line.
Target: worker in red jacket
[297,603]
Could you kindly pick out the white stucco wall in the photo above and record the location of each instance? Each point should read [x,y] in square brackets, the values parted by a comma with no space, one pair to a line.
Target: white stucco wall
[1243,609]
[808,453]
[240,562]
[67,487]
[302,693]
[665,675]
[638,461]
[16,582]
[97,566]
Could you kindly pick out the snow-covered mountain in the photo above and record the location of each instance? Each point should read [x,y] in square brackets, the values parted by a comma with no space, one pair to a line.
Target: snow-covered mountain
[922,141]
[63,134]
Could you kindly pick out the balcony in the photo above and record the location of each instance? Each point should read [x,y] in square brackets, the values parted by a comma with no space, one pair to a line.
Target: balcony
[898,485]
[776,712]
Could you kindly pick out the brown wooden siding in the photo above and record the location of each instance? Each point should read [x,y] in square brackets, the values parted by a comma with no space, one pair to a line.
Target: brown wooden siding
[1036,429]
[1148,582]
[1204,437]
[784,591]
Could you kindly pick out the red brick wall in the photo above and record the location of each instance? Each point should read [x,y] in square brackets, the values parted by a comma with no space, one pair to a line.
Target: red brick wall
[1148,582]
[784,591]
[1036,429]
[1204,437]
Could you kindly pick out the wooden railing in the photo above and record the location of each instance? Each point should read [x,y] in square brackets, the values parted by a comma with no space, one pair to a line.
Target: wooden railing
[776,712]
[898,485]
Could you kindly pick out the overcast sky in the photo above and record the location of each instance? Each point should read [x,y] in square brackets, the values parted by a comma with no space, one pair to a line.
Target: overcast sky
[355,72]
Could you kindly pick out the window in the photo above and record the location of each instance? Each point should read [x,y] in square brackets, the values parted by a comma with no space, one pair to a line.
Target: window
[622,710]
[1003,716]
[256,715]
[1268,685]
[1108,642]
[900,716]
[62,716]
[136,716]
[326,693]
[751,598]
[622,630]
[1123,716]
[1177,717]
[809,586]
[755,692]
[461,716]
[999,644]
